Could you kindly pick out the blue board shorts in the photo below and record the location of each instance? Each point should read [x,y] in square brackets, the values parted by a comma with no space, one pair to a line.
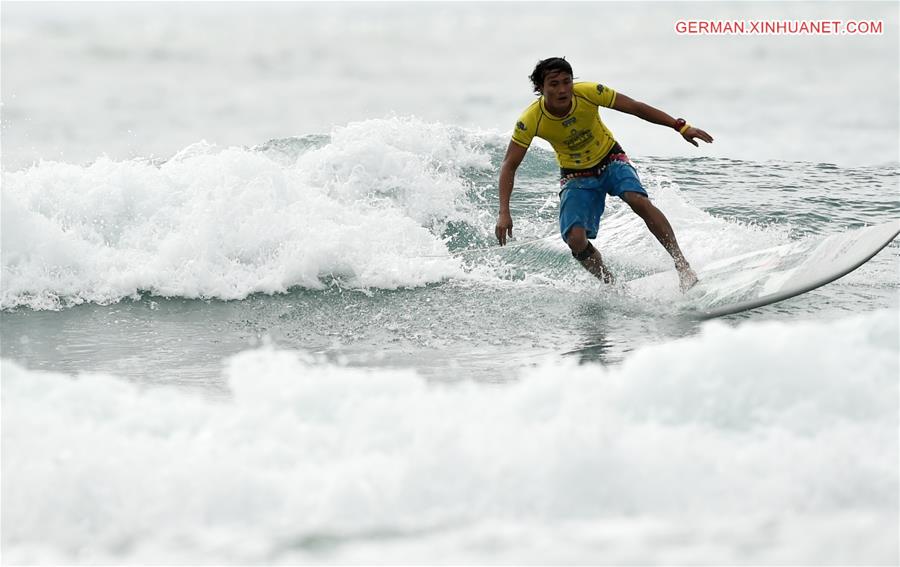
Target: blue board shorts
[583,199]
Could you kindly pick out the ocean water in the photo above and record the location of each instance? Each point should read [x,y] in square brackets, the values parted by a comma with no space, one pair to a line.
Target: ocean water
[253,311]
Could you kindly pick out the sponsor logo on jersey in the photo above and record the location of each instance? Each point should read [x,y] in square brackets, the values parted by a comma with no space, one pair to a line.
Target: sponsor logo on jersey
[521,126]
[600,89]
[578,140]
[569,121]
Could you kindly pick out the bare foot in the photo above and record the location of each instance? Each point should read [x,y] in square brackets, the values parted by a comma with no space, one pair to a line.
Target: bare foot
[686,278]
[608,277]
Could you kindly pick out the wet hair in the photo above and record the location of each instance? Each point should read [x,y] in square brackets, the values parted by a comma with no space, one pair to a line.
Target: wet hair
[545,67]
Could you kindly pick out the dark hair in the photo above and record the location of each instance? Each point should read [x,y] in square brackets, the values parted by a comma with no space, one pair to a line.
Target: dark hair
[546,66]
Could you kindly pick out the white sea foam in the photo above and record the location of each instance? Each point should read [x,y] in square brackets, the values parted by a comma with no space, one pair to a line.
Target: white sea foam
[367,208]
[769,442]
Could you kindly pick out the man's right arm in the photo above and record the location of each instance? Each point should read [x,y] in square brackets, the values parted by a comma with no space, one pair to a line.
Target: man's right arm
[514,156]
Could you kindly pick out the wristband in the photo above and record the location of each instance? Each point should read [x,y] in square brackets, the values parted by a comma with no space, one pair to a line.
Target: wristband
[681,125]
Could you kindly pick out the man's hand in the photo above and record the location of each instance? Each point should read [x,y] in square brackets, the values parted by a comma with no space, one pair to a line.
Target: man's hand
[514,156]
[692,133]
[504,227]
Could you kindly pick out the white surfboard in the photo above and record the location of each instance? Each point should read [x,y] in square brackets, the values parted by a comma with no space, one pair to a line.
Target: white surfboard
[767,276]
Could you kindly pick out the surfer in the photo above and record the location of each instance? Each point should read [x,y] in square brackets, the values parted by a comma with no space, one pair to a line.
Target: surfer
[592,164]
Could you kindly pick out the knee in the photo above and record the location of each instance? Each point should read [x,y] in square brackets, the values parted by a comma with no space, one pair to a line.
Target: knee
[584,254]
[576,239]
[639,203]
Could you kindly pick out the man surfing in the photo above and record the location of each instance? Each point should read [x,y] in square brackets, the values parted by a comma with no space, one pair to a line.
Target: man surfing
[592,164]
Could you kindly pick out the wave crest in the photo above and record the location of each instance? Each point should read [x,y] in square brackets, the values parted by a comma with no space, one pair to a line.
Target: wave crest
[367,206]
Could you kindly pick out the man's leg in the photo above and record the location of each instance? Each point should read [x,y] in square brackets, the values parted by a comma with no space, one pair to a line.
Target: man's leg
[659,225]
[589,256]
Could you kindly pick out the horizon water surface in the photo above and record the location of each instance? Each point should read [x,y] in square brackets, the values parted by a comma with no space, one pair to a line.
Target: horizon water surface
[253,311]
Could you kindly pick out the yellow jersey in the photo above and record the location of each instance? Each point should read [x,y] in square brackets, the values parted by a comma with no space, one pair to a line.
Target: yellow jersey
[580,139]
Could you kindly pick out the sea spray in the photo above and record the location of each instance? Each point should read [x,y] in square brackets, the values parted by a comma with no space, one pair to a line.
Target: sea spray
[712,447]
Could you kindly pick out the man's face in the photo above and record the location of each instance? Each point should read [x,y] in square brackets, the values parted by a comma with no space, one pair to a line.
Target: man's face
[557,88]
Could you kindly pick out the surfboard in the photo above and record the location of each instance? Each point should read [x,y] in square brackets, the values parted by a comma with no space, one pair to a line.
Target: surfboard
[767,276]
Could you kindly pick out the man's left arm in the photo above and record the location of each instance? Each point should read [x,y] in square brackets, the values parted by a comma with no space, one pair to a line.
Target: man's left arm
[628,105]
